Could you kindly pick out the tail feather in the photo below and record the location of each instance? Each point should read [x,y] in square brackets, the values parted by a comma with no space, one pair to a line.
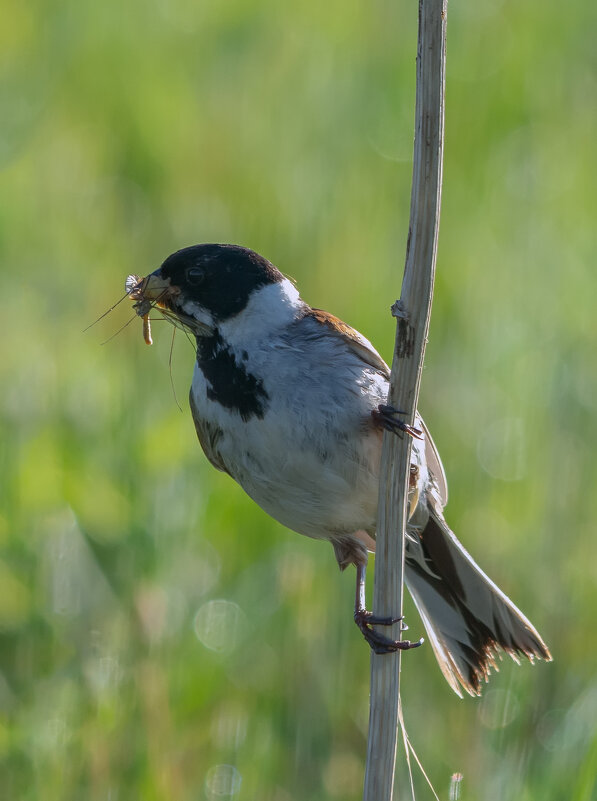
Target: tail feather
[468,619]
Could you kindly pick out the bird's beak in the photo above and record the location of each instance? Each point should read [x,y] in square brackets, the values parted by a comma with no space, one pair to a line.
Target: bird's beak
[155,287]
[157,290]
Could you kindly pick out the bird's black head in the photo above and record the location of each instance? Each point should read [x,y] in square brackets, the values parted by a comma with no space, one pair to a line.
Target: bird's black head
[219,278]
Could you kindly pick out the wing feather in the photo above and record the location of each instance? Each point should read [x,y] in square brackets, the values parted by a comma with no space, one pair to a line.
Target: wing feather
[208,436]
[365,350]
[357,342]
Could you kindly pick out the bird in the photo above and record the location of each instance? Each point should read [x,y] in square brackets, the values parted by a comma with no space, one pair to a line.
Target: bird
[291,402]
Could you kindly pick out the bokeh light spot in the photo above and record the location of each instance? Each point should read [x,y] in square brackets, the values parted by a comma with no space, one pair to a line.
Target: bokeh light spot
[222,781]
[218,625]
[501,449]
[498,708]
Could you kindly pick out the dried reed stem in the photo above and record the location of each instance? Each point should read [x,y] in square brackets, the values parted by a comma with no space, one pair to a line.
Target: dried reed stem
[412,312]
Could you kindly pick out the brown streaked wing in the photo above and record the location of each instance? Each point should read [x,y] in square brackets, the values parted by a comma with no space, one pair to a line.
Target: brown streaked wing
[361,346]
[370,356]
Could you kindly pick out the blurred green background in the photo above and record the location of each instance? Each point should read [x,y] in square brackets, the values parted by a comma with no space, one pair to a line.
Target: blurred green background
[160,637]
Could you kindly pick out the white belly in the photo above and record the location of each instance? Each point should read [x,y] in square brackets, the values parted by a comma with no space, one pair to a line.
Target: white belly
[312,463]
[313,494]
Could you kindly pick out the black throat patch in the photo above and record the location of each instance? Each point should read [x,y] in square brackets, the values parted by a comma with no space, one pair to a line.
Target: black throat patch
[229,383]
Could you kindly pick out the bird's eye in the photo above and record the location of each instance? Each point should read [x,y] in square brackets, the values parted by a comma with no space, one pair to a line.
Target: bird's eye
[195,275]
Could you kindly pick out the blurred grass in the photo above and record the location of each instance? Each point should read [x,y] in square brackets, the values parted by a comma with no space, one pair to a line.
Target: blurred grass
[130,131]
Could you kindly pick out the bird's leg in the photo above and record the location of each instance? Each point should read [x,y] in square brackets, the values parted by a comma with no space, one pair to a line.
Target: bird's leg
[366,620]
[387,417]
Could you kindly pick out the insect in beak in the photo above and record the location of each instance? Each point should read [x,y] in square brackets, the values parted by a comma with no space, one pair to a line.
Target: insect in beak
[146,292]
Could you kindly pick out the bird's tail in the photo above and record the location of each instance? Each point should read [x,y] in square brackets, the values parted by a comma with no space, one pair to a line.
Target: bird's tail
[468,618]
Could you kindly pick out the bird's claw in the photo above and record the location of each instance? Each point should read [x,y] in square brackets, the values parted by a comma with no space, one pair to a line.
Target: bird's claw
[387,417]
[378,642]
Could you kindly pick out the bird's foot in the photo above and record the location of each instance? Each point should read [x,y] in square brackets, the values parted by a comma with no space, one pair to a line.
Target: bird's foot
[378,642]
[388,418]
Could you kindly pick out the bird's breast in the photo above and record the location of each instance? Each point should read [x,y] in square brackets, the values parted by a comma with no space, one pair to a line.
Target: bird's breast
[228,381]
[296,433]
